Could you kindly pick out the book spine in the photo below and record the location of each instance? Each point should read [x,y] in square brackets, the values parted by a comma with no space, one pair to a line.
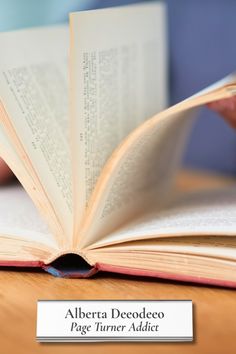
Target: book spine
[76,273]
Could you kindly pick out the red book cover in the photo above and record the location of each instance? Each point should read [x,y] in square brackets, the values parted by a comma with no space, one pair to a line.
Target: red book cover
[89,271]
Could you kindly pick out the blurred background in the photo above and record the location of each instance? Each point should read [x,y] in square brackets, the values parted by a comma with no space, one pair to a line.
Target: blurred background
[201,50]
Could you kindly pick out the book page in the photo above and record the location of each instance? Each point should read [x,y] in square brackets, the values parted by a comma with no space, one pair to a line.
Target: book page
[19,217]
[206,212]
[179,266]
[139,175]
[143,177]
[118,76]
[16,162]
[208,246]
[34,92]
[24,235]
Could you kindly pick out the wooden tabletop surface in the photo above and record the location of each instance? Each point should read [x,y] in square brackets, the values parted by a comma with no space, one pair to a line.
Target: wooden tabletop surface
[214,308]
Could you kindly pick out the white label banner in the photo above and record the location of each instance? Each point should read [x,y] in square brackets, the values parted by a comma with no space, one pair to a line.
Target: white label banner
[114,320]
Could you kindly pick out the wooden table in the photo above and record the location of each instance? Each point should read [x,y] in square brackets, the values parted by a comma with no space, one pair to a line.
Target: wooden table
[214,308]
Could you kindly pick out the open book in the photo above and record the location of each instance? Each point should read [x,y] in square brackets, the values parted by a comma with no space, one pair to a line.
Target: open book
[97,171]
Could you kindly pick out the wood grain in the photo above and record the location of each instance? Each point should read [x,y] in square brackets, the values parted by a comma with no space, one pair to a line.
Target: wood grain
[214,308]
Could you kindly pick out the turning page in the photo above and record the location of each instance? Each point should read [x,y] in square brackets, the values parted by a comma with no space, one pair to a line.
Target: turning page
[118,79]
[139,175]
